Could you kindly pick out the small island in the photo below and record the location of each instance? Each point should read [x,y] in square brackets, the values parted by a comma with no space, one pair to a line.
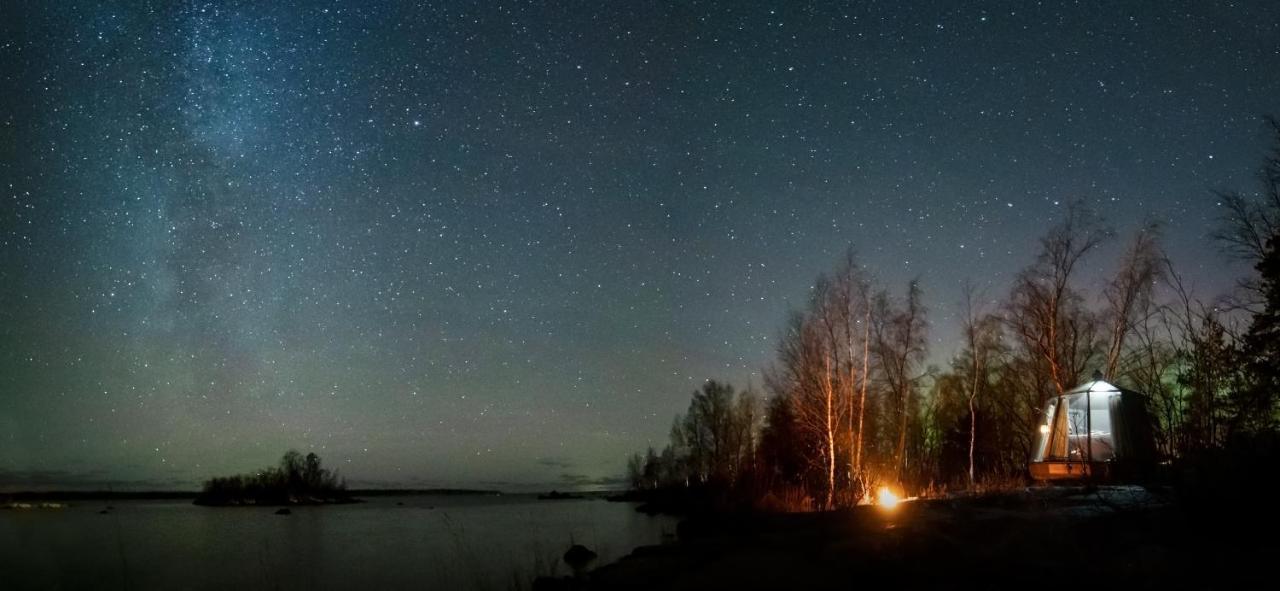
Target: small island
[556,495]
[298,480]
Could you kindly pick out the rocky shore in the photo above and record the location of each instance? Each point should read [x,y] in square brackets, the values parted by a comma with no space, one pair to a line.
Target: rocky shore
[1058,538]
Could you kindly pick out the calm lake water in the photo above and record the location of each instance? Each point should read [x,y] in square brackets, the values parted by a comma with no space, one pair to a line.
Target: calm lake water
[429,542]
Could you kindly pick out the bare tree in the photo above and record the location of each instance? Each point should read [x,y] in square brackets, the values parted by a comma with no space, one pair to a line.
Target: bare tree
[745,428]
[899,337]
[1046,313]
[1128,294]
[982,342]
[635,471]
[850,311]
[824,316]
[1208,364]
[804,375]
[717,430]
[1251,231]
[862,394]
[679,463]
[1151,358]
[1248,222]
[781,445]
[823,361]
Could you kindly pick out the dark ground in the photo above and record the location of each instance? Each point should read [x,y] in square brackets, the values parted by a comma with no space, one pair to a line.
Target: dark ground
[1038,538]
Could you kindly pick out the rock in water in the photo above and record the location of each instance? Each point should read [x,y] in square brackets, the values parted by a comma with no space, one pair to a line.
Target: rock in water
[579,556]
[285,511]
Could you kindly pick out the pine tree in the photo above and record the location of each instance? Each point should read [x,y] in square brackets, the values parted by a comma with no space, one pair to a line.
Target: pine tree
[1257,406]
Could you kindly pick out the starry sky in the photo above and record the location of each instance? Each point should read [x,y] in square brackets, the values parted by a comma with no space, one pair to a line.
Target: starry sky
[499,243]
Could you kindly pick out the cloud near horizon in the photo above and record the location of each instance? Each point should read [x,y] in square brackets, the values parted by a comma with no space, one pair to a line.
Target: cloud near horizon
[13,480]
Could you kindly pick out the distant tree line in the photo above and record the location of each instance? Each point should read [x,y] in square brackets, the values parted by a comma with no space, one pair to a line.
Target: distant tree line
[298,480]
[714,443]
[851,405]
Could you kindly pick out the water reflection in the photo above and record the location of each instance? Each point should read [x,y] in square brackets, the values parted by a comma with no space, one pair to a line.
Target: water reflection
[390,543]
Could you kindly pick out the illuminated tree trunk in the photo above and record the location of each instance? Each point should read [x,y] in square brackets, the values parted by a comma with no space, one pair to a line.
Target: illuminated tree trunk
[973,428]
[830,428]
[976,362]
[862,402]
[901,453]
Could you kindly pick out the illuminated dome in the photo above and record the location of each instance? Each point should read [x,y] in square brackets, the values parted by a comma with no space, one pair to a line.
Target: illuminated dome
[1096,428]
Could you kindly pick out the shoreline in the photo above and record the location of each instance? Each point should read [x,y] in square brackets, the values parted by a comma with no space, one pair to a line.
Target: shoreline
[1032,538]
[28,496]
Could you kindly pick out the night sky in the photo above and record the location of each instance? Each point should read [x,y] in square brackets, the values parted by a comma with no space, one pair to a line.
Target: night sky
[498,244]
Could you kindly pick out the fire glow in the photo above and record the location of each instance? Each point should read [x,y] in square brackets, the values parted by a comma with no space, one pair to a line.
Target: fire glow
[886,498]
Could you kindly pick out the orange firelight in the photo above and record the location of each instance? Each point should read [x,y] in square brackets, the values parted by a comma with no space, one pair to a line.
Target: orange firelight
[886,498]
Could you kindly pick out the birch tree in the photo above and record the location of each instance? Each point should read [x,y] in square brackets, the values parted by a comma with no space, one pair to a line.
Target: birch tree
[982,343]
[804,375]
[1046,313]
[850,311]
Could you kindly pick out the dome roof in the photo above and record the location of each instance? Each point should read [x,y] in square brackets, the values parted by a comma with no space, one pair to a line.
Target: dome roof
[1098,385]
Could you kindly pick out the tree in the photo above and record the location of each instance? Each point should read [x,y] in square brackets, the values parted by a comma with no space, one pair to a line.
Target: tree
[292,468]
[295,480]
[1128,294]
[781,451]
[708,430]
[805,375]
[677,456]
[1208,368]
[744,429]
[1255,406]
[1152,361]
[1249,223]
[1250,231]
[635,471]
[1046,314]
[715,440]
[899,337]
[651,474]
[849,310]
[312,474]
[982,343]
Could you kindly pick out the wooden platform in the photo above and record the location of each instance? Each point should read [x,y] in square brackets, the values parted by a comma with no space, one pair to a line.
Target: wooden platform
[1060,470]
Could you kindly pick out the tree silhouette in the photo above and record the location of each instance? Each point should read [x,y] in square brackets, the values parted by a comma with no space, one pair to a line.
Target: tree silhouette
[296,481]
[1256,404]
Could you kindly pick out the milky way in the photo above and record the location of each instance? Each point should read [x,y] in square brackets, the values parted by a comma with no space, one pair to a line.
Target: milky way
[498,244]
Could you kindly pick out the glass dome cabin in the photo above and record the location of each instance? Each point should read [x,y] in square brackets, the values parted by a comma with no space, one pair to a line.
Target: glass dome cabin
[1093,430]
